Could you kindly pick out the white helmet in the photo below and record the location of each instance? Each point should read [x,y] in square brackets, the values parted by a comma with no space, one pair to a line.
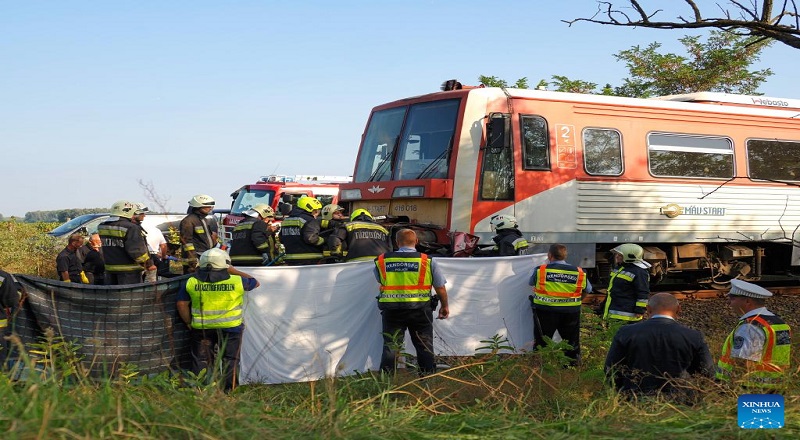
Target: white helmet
[140,208]
[123,208]
[214,257]
[201,200]
[503,221]
[264,210]
[631,253]
[328,210]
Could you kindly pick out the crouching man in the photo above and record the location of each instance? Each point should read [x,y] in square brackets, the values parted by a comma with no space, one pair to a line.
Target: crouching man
[211,303]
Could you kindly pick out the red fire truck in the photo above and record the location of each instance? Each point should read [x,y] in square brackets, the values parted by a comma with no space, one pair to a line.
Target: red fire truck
[281,193]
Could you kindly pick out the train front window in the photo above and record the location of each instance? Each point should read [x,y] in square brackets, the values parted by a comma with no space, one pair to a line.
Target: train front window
[679,155]
[382,136]
[424,148]
[773,160]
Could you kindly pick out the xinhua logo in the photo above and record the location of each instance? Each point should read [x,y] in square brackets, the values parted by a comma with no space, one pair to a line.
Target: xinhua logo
[761,411]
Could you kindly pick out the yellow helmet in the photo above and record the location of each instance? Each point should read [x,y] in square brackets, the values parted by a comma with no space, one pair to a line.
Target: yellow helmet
[214,258]
[359,212]
[264,210]
[328,210]
[123,208]
[630,252]
[309,204]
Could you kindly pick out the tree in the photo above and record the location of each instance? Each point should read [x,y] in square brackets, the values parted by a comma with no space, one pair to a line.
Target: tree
[493,81]
[718,65]
[762,20]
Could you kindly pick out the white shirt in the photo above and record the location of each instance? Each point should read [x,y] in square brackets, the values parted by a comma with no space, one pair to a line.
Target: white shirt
[154,239]
[749,339]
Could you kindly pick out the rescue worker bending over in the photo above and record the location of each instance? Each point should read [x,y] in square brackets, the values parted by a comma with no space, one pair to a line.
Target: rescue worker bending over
[124,246]
[361,238]
[508,241]
[629,286]
[198,231]
[300,233]
[332,216]
[211,303]
[253,239]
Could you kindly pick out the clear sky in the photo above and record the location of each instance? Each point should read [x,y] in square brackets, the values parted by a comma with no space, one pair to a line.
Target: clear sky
[204,96]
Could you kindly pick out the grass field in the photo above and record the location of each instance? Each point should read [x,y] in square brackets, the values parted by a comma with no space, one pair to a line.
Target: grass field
[485,396]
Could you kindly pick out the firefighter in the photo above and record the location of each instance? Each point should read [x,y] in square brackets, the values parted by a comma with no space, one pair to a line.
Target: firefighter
[557,291]
[300,231]
[406,277]
[361,237]
[629,286]
[253,239]
[758,350]
[332,216]
[211,303]
[124,246]
[198,230]
[509,240]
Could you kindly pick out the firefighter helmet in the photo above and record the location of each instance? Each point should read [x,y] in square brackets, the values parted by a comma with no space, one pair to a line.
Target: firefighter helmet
[631,253]
[307,203]
[201,201]
[503,221]
[214,258]
[140,208]
[360,212]
[123,208]
[264,210]
[328,210]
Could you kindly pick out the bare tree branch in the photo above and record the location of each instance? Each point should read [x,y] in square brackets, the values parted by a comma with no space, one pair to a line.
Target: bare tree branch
[153,196]
[766,20]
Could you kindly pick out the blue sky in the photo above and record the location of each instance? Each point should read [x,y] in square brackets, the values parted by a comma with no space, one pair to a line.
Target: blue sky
[205,96]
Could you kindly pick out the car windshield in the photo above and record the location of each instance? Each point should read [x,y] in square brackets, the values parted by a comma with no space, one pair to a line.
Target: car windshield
[248,198]
[74,224]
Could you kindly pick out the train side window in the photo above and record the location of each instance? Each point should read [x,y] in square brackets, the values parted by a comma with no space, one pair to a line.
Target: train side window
[681,155]
[535,143]
[602,151]
[773,160]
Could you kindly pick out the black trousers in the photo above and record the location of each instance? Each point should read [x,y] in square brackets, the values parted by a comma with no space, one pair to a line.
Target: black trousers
[121,278]
[419,323]
[213,349]
[568,326]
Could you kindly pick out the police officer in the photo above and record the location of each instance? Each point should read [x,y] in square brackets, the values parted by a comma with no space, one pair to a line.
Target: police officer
[198,230]
[629,286]
[509,240]
[124,246]
[758,350]
[361,237]
[211,304]
[406,277]
[557,292]
[300,233]
[253,239]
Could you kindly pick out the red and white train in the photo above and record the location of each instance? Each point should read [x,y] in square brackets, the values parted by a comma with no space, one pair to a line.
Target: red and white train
[707,183]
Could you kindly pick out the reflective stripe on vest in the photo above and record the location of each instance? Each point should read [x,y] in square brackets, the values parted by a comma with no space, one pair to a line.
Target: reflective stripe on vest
[769,371]
[619,314]
[3,323]
[563,290]
[216,305]
[406,279]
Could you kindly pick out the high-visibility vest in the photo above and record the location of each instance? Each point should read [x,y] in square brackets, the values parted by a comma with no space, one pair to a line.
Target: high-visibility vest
[770,370]
[405,277]
[558,287]
[216,305]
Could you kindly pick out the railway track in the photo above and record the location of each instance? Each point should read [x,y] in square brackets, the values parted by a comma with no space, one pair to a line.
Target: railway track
[691,294]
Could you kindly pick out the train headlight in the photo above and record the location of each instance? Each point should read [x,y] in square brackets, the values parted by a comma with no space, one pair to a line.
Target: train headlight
[409,191]
[350,194]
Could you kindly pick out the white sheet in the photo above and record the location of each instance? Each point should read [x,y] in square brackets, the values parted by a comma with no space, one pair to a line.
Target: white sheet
[306,323]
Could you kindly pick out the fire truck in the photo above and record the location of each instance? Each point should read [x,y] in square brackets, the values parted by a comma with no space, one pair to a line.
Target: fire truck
[281,193]
[707,183]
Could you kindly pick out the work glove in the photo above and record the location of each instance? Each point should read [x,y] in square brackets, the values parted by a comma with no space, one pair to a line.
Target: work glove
[84,278]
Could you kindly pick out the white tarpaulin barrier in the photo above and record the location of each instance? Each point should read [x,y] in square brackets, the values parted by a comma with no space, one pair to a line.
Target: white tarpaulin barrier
[306,323]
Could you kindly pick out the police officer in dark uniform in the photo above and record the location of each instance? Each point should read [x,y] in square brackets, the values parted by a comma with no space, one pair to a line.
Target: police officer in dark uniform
[124,246]
[361,238]
[198,230]
[406,277]
[253,239]
[300,233]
